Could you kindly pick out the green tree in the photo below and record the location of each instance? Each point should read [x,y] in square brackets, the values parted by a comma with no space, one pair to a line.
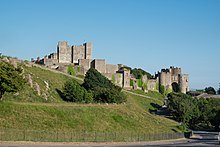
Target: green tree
[10,78]
[183,108]
[195,113]
[210,90]
[94,79]
[103,89]
[74,92]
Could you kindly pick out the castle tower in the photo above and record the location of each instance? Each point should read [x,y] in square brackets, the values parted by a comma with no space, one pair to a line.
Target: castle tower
[126,78]
[184,83]
[81,52]
[64,52]
[175,72]
[88,50]
[165,78]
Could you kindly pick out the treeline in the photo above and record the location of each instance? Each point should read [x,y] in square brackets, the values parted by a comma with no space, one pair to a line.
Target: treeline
[96,88]
[195,113]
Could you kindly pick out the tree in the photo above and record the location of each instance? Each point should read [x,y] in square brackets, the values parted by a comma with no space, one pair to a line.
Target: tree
[103,89]
[94,79]
[73,92]
[11,79]
[183,108]
[195,113]
[210,90]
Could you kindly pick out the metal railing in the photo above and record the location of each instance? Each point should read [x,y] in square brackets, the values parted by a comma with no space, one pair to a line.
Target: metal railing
[61,136]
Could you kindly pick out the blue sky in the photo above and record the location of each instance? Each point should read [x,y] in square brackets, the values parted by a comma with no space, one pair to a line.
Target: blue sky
[150,34]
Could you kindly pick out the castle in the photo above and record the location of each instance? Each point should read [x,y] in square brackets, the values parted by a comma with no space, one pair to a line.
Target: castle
[80,57]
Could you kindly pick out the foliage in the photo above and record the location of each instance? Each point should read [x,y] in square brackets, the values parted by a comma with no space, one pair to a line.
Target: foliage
[131,82]
[70,70]
[210,90]
[140,83]
[194,113]
[103,89]
[73,92]
[105,95]
[10,78]
[218,91]
[113,78]
[162,89]
[139,73]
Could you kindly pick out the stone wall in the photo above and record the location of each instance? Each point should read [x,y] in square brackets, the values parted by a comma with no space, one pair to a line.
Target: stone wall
[116,78]
[50,62]
[126,78]
[78,53]
[99,64]
[85,65]
[111,68]
[151,84]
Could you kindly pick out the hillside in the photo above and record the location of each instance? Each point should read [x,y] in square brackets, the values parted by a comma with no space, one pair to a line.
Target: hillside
[47,111]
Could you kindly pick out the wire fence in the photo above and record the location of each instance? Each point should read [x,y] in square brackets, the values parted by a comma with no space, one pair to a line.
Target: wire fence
[61,136]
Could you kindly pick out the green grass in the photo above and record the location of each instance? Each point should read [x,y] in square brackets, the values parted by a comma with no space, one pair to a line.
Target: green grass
[40,76]
[26,110]
[152,94]
[130,117]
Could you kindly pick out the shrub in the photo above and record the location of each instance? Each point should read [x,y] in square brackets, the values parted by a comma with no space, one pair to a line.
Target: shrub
[73,92]
[103,89]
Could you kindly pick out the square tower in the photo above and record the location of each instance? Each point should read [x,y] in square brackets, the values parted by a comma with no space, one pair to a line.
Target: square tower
[64,52]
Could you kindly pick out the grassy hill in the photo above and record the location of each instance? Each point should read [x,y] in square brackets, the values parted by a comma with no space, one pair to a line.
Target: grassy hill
[27,110]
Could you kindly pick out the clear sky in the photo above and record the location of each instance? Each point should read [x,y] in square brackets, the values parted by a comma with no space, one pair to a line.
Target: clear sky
[150,34]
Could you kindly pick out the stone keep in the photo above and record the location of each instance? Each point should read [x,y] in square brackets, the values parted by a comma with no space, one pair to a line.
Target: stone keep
[72,54]
[81,52]
[64,52]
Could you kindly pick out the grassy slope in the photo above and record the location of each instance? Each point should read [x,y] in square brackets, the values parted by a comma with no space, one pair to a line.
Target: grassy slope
[19,112]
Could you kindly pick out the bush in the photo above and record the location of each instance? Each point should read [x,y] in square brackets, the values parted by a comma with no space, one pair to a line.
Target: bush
[103,89]
[73,92]
[94,79]
[105,95]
